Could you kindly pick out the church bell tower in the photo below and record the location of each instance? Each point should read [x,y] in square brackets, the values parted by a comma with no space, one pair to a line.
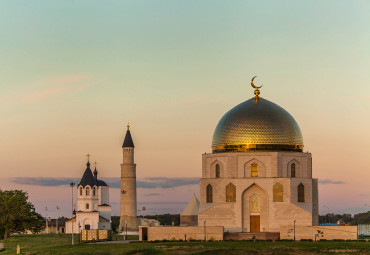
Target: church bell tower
[128,217]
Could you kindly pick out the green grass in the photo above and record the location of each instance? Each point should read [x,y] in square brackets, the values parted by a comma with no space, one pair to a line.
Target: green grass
[61,244]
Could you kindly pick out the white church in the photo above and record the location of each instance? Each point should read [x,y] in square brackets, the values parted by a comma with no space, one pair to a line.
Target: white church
[93,209]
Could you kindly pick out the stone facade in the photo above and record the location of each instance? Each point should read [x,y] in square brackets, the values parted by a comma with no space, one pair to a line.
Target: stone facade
[254,196]
[328,232]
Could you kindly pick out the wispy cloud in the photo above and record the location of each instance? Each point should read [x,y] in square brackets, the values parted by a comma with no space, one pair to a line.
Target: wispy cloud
[151,194]
[48,88]
[330,181]
[146,183]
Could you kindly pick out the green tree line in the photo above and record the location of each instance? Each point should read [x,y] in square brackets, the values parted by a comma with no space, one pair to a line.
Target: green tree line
[17,214]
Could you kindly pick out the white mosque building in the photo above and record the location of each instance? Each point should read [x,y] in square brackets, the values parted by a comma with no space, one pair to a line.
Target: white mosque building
[93,209]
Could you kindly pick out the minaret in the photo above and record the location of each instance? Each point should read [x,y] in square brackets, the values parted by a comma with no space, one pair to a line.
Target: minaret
[128,219]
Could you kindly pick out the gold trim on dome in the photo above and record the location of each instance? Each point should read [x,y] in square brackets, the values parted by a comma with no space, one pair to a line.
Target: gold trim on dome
[257,147]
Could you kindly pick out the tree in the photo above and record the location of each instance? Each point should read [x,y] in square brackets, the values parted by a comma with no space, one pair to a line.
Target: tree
[17,214]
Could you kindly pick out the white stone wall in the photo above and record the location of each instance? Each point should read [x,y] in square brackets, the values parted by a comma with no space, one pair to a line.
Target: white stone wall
[273,167]
[91,200]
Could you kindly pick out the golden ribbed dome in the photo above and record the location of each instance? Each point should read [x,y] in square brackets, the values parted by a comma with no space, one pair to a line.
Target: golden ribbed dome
[257,125]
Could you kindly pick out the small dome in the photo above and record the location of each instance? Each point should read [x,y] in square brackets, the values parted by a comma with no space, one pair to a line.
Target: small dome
[257,125]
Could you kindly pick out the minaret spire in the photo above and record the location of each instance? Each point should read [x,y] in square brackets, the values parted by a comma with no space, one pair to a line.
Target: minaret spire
[128,142]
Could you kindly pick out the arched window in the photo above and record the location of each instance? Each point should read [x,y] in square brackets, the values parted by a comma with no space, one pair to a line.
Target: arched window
[94,191]
[209,194]
[217,171]
[254,170]
[300,192]
[87,206]
[80,191]
[87,191]
[254,204]
[292,170]
[230,193]
[278,192]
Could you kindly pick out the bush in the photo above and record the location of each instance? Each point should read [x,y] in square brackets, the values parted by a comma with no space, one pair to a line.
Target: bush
[306,240]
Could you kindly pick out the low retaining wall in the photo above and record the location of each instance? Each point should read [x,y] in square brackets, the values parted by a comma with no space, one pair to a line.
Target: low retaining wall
[321,232]
[185,233]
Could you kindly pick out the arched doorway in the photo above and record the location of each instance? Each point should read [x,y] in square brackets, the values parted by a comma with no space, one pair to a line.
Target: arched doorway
[254,209]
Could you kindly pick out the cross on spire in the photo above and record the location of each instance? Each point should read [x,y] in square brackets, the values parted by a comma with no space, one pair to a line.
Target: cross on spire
[88,157]
[95,163]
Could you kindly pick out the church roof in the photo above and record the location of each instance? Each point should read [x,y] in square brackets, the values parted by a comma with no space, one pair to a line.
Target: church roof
[128,140]
[192,208]
[88,178]
[101,183]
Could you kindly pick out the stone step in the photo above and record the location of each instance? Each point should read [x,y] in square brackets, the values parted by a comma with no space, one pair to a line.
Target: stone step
[251,236]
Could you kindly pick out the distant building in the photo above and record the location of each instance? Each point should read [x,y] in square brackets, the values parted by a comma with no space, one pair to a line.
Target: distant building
[93,209]
[55,226]
[189,216]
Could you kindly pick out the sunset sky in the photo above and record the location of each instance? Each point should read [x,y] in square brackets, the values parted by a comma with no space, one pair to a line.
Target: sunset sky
[73,73]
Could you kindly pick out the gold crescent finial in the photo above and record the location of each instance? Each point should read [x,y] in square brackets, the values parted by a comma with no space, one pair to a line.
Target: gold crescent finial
[256,91]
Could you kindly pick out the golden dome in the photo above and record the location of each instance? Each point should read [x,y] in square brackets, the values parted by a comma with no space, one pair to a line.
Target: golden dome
[257,125]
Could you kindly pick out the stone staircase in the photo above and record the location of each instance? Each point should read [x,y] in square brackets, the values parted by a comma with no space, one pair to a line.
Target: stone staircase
[251,236]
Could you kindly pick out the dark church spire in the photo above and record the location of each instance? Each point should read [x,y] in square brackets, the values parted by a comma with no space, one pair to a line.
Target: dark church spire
[95,172]
[128,139]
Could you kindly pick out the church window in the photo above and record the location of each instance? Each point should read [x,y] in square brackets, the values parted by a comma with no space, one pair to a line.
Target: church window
[300,192]
[209,194]
[218,171]
[94,191]
[80,191]
[87,206]
[87,191]
[230,193]
[277,191]
[254,170]
[254,204]
[292,170]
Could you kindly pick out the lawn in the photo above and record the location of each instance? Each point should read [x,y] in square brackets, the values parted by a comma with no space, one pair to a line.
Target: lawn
[61,244]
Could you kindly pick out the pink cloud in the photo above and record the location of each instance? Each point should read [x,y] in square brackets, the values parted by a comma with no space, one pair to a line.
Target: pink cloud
[49,88]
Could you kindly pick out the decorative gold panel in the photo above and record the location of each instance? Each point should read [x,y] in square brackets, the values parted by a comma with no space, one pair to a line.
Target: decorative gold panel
[230,193]
[278,192]
[254,204]
[260,125]
[254,170]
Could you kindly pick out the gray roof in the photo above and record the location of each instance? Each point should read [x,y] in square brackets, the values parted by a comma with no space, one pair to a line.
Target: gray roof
[192,208]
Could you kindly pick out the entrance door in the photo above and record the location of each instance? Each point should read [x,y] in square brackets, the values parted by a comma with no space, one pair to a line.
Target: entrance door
[87,227]
[255,223]
[145,234]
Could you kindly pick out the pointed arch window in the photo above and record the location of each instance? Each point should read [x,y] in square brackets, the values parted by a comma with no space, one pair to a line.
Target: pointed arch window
[278,192]
[230,193]
[87,191]
[94,191]
[218,170]
[209,194]
[254,170]
[87,206]
[292,170]
[80,191]
[301,193]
